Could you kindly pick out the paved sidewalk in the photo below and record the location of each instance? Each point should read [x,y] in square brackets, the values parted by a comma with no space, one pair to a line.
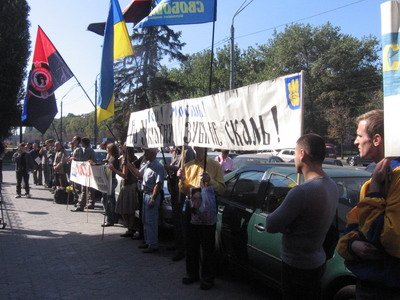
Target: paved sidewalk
[49,252]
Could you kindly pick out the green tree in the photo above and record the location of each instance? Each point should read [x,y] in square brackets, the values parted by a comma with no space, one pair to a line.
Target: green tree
[341,72]
[14,53]
[140,82]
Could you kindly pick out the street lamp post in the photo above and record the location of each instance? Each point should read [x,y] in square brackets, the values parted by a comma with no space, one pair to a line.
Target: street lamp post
[232,47]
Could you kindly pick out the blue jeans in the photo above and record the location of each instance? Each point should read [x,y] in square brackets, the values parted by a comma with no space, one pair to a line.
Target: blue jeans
[150,221]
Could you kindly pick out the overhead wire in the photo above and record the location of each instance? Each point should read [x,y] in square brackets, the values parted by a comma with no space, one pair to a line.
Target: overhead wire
[226,39]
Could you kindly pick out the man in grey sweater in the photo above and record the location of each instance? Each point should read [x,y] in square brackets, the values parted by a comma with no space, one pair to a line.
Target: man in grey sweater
[304,218]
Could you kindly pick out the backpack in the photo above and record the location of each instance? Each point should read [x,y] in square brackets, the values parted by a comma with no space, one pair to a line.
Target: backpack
[60,196]
[331,238]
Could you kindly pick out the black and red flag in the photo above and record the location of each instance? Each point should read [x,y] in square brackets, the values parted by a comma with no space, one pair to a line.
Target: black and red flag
[49,72]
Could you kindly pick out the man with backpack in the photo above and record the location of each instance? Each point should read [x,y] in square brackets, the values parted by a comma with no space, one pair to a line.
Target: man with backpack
[304,218]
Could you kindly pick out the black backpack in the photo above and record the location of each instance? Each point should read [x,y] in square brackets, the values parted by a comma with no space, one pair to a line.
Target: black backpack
[331,238]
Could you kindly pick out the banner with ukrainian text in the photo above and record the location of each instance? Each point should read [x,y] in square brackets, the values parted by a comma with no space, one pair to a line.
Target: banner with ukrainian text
[180,12]
[96,176]
[390,24]
[266,115]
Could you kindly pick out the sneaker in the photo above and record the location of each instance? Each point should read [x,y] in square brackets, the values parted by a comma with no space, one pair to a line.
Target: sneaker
[28,195]
[18,196]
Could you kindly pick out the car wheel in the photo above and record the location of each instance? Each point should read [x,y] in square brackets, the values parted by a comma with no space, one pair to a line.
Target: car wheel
[352,161]
[347,292]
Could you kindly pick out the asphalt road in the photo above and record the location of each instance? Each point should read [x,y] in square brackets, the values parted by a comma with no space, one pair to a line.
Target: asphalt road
[49,252]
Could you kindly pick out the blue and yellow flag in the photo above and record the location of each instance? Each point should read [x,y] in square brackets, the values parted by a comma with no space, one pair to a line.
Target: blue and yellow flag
[116,45]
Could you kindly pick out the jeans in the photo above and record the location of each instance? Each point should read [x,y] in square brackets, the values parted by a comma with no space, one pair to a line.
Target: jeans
[150,220]
[25,176]
[301,283]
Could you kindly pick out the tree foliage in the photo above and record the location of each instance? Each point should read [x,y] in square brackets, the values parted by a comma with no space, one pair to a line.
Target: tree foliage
[14,53]
[140,82]
[341,74]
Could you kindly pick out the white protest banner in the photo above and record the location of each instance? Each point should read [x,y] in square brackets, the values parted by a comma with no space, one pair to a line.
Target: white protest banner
[390,22]
[266,115]
[97,176]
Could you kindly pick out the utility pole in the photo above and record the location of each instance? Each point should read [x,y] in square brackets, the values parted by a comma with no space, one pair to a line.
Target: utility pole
[232,46]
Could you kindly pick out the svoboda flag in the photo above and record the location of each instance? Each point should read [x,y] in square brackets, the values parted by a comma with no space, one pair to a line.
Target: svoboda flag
[180,12]
[390,25]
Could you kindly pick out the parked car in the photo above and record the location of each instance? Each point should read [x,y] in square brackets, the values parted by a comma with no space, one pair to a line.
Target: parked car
[330,151]
[356,160]
[253,192]
[332,161]
[165,210]
[255,159]
[286,154]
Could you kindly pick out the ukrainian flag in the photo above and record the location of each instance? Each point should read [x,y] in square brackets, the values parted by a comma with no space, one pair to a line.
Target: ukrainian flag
[116,45]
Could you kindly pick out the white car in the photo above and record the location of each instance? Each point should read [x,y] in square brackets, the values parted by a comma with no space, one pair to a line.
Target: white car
[286,154]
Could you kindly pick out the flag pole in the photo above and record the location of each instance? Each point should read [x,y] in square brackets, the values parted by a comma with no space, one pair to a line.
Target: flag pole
[54,128]
[94,105]
[211,71]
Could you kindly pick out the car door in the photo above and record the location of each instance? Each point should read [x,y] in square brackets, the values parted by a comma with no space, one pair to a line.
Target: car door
[235,208]
[264,247]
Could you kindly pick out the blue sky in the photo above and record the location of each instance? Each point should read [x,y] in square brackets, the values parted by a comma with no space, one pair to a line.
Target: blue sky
[65,23]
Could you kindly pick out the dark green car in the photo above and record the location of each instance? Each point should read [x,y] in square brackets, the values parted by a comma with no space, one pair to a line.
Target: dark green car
[253,192]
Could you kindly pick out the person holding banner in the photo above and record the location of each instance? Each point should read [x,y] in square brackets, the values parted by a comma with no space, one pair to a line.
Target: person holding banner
[109,200]
[177,199]
[371,246]
[76,152]
[200,230]
[151,173]
[127,201]
[84,153]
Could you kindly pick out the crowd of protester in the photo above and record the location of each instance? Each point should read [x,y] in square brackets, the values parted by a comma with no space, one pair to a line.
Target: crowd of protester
[194,179]
[141,190]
